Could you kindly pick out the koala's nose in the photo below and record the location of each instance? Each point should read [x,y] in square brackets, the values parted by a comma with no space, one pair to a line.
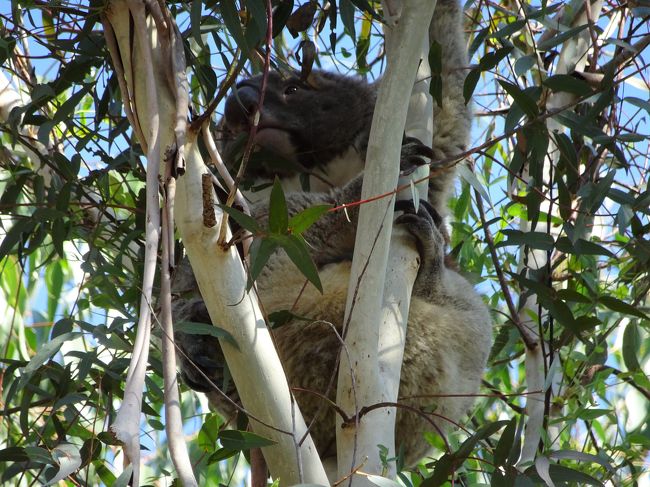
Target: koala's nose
[240,106]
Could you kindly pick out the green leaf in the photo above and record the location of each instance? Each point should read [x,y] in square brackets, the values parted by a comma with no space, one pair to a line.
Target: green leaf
[346,10]
[231,19]
[465,173]
[470,84]
[594,194]
[573,296]
[192,328]
[90,450]
[278,213]
[616,304]
[505,445]
[44,354]
[435,57]
[441,472]
[638,102]
[364,6]
[524,64]
[534,240]
[559,473]
[243,440]
[68,458]
[54,281]
[221,454]
[195,22]
[548,44]
[509,29]
[209,432]
[631,347]
[296,248]
[20,230]
[13,454]
[284,316]
[260,251]
[245,221]
[306,218]
[281,14]
[568,84]
[64,112]
[257,11]
[589,414]
[484,432]
[7,45]
[492,59]
[579,456]
[522,99]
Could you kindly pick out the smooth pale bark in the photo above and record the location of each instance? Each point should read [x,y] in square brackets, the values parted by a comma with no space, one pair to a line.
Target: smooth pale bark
[254,363]
[361,378]
[151,107]
[573,57]
[402,265]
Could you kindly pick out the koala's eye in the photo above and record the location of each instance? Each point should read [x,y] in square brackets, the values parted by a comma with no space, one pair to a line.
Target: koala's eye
[290,90]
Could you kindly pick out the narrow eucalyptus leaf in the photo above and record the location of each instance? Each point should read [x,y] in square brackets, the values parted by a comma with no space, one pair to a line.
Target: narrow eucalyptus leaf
[278,213]
[296,248]
[306,218]
[631,346]
[260,251]
[245,221]
[243,440]
[192,328]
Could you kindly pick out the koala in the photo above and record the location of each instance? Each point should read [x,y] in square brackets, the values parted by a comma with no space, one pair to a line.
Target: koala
[320,126]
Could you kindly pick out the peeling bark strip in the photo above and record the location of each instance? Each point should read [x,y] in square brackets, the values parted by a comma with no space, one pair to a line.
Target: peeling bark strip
[209,217]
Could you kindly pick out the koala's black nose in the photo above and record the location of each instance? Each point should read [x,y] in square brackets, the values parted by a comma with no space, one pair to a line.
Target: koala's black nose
[241,105]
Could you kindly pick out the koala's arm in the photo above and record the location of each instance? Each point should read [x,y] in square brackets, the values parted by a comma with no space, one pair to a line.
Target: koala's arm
[451,122]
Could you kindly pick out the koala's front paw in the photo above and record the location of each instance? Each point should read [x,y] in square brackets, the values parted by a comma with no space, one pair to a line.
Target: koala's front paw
[425,225]
[413,155]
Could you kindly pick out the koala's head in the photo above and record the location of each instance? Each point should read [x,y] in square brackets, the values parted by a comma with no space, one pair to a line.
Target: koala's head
[309,122]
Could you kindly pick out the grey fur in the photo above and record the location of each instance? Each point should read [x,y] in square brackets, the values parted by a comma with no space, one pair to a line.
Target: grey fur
[323,126]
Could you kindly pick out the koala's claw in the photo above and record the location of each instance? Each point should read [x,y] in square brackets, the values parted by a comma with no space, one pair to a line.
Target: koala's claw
[425,210]
[426,226]
[413,154]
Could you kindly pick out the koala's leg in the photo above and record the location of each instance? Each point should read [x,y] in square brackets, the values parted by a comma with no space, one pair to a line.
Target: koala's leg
[451,120]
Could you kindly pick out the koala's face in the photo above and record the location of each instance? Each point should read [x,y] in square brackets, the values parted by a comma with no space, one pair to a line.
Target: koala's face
[308,122]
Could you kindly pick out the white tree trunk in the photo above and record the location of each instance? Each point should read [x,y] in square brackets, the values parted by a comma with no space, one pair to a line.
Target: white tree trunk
[158,113]
[254,363]
[365,377]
